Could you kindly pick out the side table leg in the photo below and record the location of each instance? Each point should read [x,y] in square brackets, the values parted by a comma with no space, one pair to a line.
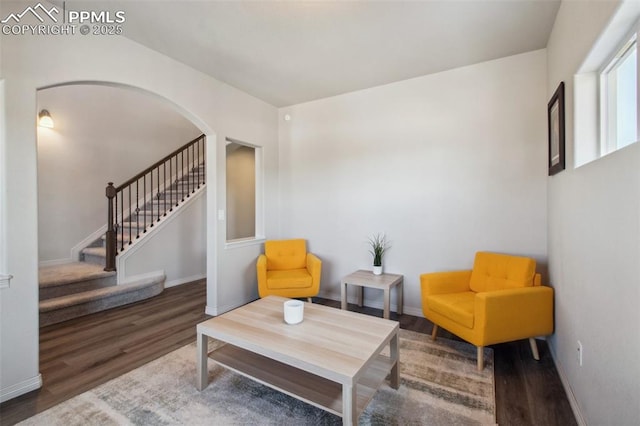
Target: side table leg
[343,295]
[387,303]
[360,292]
[202,374]
[399,294]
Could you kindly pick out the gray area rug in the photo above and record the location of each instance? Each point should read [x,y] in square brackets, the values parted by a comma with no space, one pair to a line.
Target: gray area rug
[439,386]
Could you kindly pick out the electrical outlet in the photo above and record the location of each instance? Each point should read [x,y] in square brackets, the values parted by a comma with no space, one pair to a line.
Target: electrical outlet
[580,353]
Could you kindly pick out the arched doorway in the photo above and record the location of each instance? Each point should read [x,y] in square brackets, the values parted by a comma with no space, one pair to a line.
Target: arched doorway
[109,133]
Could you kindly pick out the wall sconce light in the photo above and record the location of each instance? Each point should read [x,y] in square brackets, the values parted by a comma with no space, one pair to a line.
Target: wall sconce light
[44,119]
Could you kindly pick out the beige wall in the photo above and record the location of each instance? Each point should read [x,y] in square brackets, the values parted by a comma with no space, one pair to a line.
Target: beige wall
[446,165]
[594,244]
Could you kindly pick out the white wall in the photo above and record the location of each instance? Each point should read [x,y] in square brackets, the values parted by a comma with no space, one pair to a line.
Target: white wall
[177,247]
[102,134]
[218,110]
[594,246]
[446,165]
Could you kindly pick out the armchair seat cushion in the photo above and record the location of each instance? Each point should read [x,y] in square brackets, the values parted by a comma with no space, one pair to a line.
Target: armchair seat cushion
[458,307]
[293,278]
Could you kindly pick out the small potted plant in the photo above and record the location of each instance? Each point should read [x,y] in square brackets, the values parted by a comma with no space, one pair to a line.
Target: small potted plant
[378,248]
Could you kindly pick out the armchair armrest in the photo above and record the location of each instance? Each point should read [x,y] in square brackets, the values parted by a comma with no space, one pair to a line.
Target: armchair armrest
[445,282]
[513,314]
[261,271]
[314,266]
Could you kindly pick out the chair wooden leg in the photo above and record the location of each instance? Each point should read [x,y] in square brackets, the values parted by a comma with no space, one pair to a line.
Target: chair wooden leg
[310,300]
[534,348]
[434,332]
[480,358]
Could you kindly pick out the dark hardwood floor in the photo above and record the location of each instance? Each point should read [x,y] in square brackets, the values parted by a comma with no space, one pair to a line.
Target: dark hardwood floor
[82,353]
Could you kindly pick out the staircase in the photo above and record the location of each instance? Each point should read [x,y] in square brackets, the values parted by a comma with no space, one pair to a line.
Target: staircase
[80,288]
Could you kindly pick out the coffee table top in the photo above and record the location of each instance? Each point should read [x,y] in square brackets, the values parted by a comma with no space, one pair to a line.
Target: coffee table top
[329,342]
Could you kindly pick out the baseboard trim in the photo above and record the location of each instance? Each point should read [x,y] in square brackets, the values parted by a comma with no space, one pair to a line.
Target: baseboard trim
[77,249]
[140,277]
[409,310]
[219,310]
[573,402]
[21,388]
[185,280]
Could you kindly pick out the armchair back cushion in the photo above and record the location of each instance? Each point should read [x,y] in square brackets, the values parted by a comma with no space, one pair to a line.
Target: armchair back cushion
[285,255]
[494,271]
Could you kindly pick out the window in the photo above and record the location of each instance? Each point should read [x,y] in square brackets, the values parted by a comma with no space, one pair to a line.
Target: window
[241,191]
[243,195]
[619,98]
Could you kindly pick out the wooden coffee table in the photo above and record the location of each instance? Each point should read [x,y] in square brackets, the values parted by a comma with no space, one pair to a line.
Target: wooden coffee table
[332,359]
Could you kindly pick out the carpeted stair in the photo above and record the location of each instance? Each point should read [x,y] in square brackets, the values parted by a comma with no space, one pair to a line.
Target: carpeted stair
[80,288]
[75,289]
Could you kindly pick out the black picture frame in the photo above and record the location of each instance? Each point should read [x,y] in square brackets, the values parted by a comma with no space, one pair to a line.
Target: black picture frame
[555,118]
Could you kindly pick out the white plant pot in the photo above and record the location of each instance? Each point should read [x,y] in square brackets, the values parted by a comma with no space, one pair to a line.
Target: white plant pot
[377,270]
[293,311]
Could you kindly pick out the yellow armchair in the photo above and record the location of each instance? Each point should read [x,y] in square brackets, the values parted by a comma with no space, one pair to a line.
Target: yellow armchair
[286,269]
[499,301]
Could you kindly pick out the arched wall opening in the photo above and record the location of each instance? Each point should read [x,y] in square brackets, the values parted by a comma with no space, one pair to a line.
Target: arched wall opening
[102,133]
[33,63]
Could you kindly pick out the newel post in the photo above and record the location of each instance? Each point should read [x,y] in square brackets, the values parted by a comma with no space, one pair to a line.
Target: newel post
[111,231]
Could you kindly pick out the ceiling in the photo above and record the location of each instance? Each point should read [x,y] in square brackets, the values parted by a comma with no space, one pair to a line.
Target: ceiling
[289,52]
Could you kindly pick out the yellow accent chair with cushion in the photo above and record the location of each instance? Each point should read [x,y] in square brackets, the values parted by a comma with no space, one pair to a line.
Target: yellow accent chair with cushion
[286,269]
[500,300]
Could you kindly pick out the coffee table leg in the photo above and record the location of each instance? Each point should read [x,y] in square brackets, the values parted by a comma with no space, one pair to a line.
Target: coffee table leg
[202,375]
[349,409]
[360,291]
[395,357]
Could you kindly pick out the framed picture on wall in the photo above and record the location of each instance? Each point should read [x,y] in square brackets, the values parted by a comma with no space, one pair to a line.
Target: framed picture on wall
[555,115]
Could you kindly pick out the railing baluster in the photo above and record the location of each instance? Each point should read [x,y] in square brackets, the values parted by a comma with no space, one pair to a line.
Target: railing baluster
[130,205]
[176,184]
[182,179]
[110,261]
[204,159]
[158,191]
[137,208]
[151,200]
[164,183]
[144,201]
[121,220]
[194,164]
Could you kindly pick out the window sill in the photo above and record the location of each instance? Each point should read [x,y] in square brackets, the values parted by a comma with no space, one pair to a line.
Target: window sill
[244,242]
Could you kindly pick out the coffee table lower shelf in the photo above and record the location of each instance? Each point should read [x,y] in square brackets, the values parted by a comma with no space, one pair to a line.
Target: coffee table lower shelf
[310,388]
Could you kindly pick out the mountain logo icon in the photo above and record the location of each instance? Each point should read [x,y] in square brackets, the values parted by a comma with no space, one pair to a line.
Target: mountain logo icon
[38,11]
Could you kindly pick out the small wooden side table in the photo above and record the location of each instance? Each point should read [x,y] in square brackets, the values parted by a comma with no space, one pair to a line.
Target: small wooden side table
[384,282]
